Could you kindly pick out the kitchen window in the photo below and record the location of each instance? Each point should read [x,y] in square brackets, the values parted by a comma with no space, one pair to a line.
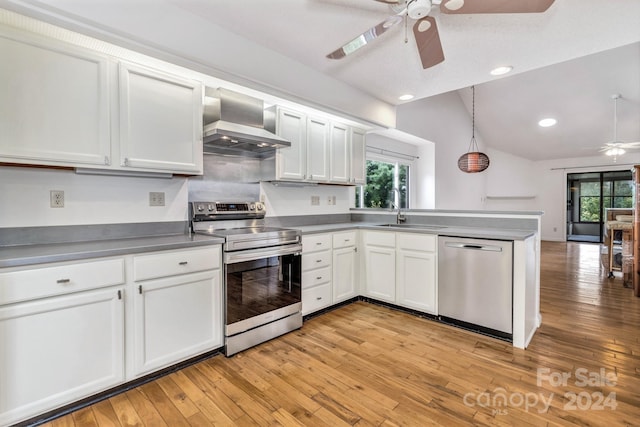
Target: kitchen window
[384,174]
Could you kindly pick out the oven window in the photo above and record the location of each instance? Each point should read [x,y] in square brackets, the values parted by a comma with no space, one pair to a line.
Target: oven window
[259,286]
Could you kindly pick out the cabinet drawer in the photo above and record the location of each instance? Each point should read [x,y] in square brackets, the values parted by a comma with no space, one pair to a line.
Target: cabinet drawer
[417,242]
[316,277]
[316,298]
[316,242]
[316,260]
[344,240]
[380,238]
[56,279]
[171,263]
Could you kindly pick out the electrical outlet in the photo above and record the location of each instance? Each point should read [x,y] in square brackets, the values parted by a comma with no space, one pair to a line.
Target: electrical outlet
[315,200]
[56,198]
[331,200]
[156,198]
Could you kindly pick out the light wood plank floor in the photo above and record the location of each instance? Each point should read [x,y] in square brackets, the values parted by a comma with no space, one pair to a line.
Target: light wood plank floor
[368,365]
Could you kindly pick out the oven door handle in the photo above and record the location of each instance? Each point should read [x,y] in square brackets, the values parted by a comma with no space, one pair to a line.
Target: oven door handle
[253,254]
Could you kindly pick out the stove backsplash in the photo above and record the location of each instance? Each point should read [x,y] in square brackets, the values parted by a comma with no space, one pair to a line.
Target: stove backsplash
[226,178]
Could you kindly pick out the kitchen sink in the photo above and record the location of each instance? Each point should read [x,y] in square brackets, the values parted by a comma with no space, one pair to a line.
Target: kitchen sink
[419,226]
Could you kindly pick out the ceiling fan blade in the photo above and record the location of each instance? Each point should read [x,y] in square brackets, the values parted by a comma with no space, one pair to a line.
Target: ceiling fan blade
[365,38]
[494,6]
[428,40]
[388,1]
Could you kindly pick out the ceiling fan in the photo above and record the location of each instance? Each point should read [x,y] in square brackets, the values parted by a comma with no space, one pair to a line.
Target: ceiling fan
[425,29]
[617,148]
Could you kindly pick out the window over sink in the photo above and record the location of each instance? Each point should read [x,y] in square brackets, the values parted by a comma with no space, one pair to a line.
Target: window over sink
[384,175]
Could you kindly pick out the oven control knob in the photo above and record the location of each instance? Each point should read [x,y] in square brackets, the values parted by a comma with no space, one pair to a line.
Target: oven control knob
[199,208]
[259,206]
[210,207]
[252,207]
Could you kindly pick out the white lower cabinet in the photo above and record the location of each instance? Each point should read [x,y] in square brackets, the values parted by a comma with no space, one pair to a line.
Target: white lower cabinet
[400,268]
[345,266]
[60,348]
[416,272]
[179,314]
[380,262]
[316,272]
[69,330]
[329,269]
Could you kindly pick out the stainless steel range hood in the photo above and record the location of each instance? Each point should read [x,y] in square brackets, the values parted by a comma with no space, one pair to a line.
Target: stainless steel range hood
[234,125]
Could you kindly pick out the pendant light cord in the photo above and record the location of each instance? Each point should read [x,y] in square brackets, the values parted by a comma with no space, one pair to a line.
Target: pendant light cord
[473,146]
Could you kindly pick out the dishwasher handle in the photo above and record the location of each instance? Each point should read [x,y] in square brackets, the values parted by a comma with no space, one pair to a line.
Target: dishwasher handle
[490,248]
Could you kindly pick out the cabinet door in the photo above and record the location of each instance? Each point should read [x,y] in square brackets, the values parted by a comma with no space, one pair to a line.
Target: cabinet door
[58,350]
[358,157]
[317,150]
[416,280]
[160,121]
[291,162]
[344,274]
[380,273]
[340,159]
[54,107]
[176,318]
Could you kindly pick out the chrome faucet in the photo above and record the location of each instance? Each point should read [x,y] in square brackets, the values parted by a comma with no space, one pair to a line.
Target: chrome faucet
[400,218]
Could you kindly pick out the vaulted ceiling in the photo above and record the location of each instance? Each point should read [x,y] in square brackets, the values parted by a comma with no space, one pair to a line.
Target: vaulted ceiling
[567,61]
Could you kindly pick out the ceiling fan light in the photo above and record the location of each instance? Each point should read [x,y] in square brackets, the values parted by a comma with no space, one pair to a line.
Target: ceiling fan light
[419,9]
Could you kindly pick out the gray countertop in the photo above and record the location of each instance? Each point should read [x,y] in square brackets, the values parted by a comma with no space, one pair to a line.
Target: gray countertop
[456,231]
[13,256]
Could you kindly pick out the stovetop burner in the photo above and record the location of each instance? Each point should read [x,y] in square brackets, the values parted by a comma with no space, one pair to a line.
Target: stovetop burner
[207,218]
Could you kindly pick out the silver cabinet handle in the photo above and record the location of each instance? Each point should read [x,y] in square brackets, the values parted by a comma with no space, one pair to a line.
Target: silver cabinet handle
[63,280]
[183,263]
[318,260]
[319,277]
[318,298]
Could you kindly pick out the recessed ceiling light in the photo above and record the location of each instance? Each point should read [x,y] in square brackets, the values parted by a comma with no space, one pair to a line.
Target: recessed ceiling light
[498,71]
[405,97]
[545,123]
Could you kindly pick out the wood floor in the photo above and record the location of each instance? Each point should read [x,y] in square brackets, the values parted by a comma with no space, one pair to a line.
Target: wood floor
[368,365]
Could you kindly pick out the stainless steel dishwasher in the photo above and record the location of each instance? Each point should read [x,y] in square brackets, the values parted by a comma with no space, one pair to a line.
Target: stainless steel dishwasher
[475,284]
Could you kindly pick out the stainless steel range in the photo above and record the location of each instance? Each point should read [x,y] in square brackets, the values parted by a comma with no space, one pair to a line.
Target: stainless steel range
[262,272]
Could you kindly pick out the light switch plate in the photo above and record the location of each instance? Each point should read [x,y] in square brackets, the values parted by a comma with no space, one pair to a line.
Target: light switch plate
[315,200]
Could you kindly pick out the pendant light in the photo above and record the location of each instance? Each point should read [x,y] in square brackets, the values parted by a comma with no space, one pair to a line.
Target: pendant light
[473,160]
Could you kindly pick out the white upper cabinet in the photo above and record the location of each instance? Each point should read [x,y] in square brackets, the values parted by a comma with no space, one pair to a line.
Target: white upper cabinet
[321,151]
[358,149]
[318,165]
[340,158]
[64,105]
[54,107]
[291,162]
[160,120]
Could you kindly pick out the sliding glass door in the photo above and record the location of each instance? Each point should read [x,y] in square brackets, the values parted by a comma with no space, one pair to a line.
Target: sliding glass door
[588,195]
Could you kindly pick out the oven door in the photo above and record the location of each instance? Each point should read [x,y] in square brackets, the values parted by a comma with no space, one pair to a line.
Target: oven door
[261,286]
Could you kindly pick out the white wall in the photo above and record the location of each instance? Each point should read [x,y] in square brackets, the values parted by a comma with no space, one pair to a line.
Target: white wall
[444,120]
[89,199]
[552,186]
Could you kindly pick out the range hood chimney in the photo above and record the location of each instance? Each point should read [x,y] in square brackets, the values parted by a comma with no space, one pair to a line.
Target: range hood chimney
[234,125]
